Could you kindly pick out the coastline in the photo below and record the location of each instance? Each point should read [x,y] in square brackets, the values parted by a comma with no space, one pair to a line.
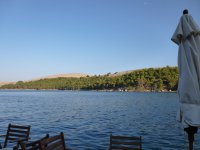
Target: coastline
[145,91]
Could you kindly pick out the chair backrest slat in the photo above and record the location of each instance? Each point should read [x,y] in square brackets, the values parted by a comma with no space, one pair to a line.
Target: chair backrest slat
[126,137]
[12,139]
[17,135]
[125,143]
[18,131]
[124,148]
[19,126]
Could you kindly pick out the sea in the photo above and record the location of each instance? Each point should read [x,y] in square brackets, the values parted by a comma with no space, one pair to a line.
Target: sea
[87,118]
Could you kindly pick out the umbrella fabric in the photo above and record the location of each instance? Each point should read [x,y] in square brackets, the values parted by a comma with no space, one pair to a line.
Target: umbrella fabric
[187,36]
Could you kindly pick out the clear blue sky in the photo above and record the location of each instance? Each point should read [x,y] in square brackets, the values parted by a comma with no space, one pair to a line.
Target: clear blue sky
[47,37]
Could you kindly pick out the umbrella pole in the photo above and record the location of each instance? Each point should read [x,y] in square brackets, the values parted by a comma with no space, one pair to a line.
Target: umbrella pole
[191,131]
[191,140]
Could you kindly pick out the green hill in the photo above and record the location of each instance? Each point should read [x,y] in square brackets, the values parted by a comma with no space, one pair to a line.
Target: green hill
[151,79]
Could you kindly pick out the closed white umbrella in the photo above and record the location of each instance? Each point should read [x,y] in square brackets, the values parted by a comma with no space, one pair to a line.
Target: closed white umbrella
[187,36]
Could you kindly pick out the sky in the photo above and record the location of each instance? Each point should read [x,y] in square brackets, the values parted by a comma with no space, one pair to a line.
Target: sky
[48,37]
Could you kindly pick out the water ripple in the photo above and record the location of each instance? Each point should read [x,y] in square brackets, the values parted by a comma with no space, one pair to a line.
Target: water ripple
[88,118]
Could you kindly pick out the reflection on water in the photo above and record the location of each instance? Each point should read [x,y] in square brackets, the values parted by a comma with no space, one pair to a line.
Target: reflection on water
[88,118]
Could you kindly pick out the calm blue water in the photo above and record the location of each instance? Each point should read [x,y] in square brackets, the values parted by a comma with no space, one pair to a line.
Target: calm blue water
[88,118]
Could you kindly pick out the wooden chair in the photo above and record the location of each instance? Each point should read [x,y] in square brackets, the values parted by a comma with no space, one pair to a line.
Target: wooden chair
[33,145]
[56,142]
[16,133]
[125,143]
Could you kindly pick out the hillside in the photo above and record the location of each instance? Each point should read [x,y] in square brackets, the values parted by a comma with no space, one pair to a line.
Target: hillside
[74,75]
[4,83]
[69,75]
[122,73]
[151,79]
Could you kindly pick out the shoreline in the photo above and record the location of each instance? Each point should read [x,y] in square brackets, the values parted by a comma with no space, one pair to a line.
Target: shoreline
[123,91]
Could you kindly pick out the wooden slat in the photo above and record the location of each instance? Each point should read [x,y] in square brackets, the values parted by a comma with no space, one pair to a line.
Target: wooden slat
[54,138]
[19,126]
[19,131]
[16,140]
[123,148]
[126,143]
[13,139]
[17,135]
[54,145]
[125,137]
